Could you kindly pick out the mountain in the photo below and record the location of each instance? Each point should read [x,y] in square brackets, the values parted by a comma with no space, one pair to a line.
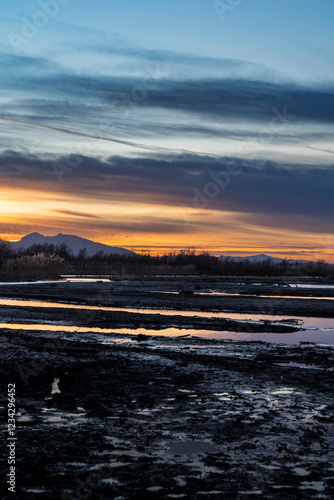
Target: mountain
[74,243]
[261,258]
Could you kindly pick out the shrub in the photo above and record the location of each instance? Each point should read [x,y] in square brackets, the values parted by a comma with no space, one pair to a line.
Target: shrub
[40,266]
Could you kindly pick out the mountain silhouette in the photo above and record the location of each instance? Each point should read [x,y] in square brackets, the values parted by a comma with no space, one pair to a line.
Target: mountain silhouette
[74,243]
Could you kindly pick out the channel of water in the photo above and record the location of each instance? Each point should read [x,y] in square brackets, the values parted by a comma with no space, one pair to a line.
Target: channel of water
[307,322]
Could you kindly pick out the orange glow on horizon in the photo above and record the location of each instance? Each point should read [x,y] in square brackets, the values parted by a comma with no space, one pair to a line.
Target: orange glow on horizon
[162,245]
[161,229]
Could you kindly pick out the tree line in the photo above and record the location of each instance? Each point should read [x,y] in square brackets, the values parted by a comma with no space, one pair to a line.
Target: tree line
[49,261]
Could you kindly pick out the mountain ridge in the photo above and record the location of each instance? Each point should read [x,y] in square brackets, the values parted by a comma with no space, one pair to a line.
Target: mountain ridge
[261,258]
[74,243]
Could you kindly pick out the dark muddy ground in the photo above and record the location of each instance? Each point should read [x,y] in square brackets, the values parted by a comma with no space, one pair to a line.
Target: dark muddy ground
[178,293]
[165,418]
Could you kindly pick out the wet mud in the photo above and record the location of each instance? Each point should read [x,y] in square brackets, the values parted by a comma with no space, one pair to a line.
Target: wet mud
[160,418]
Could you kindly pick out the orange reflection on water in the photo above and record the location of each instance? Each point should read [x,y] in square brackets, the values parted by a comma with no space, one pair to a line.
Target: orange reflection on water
[168,332]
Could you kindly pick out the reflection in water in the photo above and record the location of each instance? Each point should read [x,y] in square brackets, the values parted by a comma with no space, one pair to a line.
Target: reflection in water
[233,294]
[308,322]
[82,279]
[88,280]
[310,285]
[281,296]
[61,419]
[317,336]
[284,390]
[169,332]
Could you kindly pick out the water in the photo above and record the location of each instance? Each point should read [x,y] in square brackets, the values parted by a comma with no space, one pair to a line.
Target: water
[70,279]
[228,294]
[106,334]
[307,322]
[312,329]
[309,285]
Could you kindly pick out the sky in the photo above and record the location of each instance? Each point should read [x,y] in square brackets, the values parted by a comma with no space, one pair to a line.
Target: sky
[167,125]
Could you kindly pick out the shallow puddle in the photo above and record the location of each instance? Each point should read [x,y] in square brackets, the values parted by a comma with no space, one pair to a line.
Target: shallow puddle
[308,322]
[279,296]
[312,336]
[309,285]
[61,418]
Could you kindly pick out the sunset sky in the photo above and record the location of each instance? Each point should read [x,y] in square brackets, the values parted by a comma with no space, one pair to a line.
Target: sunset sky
[163,125]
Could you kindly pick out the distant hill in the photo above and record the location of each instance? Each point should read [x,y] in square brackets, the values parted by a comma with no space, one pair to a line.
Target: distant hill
[74,243]
[261,258]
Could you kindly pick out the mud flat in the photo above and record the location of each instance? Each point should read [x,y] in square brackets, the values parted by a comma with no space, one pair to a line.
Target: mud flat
[136,416]
[293,297]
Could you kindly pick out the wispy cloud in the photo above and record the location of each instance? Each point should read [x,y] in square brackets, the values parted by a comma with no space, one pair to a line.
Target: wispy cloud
[60,96]
[79,134]
[76,214]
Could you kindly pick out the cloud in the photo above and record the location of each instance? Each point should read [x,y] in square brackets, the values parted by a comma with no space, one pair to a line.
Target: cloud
[132,224]
[80,134]
[78,101]
[241,99]
[137,111]
[264,193]
[76,214]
